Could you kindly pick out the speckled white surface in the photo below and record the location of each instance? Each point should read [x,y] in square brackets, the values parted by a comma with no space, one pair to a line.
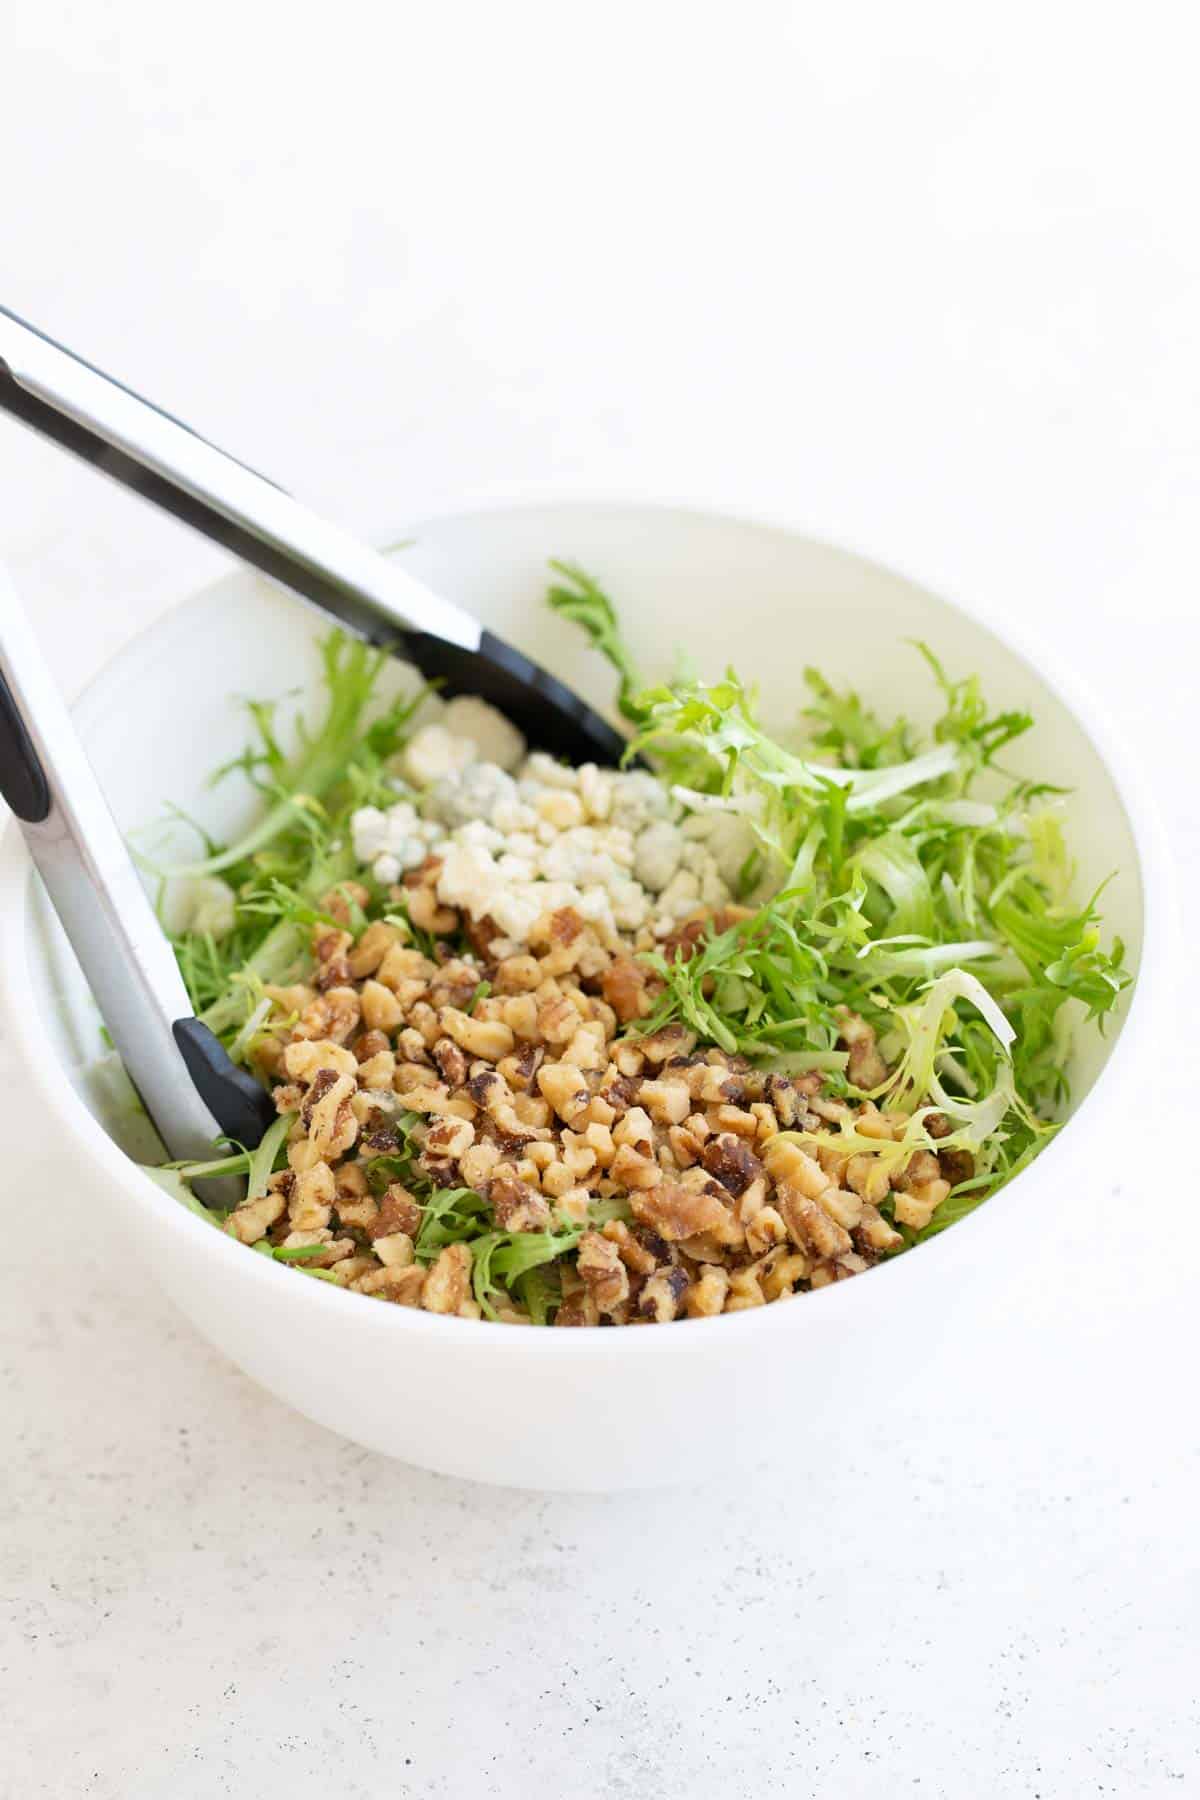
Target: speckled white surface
[920,284]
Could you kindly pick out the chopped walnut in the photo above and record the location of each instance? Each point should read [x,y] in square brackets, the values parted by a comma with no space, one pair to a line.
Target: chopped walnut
[565,1088]
[578,1309]
[448,1283]
[603,1271]
[729,1160]
[865,1069]
[334,1015]
[744,1290]
[253,1218]
[395,1251]
[426,914]
[707,1295]
[305,1058]
[397,1210]
[663,1295]
[671,1040]
[731,1186]
[381,1009]
[764,1230]
[371,948]
[517,1206]
[779,1273]
[404,1285]
[449,1137]
[625,985]
[809,1225]
[917,1206]
[676,1212]
[487,1038]
[311,1198]
[328,1115]
[632,1170]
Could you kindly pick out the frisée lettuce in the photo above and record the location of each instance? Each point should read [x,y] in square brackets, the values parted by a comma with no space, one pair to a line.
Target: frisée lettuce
[889,881]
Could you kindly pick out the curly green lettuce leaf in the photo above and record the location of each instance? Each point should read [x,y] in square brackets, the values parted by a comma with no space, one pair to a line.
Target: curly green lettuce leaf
[926,1024]
[911,882]
[502,1260]
[581,600]
[450,1216]
[350,669]
[299,850]
[851,731]
[709,744]
[966,720]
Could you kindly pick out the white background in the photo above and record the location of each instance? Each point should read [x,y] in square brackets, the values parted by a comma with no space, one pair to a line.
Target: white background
[925,279]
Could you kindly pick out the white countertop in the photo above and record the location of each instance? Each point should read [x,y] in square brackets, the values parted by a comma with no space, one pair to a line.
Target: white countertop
[922,281]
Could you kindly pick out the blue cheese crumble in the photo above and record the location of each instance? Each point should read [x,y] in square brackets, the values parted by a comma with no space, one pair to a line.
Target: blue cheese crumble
[519,835]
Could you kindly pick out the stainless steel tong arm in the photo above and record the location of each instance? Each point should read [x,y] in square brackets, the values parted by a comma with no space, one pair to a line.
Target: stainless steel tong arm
[90,413]
[96,891]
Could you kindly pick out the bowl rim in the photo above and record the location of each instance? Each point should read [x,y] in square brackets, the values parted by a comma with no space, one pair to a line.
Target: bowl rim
[1155,874]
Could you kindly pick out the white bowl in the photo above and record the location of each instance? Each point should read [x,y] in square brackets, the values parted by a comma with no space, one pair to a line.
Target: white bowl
[572,1409]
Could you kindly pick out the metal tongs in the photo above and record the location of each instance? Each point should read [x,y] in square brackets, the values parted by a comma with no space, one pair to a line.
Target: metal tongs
[46,778]
[106,913]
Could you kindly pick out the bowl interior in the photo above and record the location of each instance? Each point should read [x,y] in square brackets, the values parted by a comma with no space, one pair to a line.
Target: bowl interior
[705,589]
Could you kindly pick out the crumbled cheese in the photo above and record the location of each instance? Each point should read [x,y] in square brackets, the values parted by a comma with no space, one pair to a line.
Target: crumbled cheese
[517,839]
[657,854]
[496,739]
[368,832]
[541,771]
[730,843]
[468,878]
[478,791]
[433,752]
[207,905]
[559,809]
[396,838]
[639,798]
[681,894]
[596,790]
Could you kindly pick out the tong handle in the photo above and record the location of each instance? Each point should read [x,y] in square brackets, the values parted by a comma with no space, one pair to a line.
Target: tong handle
[106,913]
[159,458]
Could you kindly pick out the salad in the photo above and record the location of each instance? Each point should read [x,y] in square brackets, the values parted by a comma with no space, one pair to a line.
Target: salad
[578,1046]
